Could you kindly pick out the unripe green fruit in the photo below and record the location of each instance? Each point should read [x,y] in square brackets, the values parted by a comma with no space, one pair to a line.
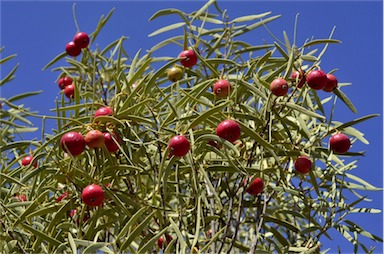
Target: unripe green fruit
[175,73]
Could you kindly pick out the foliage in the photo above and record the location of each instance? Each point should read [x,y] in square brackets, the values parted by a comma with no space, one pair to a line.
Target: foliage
[200,199]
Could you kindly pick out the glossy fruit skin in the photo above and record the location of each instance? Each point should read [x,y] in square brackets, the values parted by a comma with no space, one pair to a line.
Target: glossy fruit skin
[72,49]
[255,187]
[63,82]
[104,111]
[317,79]
[303,164]
[175,73]
[93,195]
[339,143]
[111,145]
[228,130]
[28,160]
[190,58]
[94,139]
[81,40]
[302,78]
[331,83]
[62,196]
[69,91]
[160,242]
[222,88]
[72,143]
[179,146]
[279,87]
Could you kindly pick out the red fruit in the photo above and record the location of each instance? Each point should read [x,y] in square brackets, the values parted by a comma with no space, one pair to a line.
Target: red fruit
[104,111]
[169,238]
[339,143]
[222,88]
[331,83]
[317,79]
[179,146]
[303,164]
[94,139]
[256,187]
[72,49]
[160,242]
[301,79]
[63,82]
[81,40]
[93,195]
[69,91]
[21,198]
[73,143]
[279,87]
[110,142]
[228,130]
[189,58]
[28,160]
[62,196]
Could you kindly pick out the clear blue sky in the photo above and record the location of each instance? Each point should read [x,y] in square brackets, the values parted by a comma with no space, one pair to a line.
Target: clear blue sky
[38,31]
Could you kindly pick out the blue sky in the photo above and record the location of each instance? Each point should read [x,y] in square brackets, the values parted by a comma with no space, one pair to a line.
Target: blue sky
[37,31]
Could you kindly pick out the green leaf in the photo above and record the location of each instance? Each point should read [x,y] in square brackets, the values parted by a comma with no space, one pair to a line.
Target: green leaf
[131,222]
[149,245]
[282,223]
[279,237]
[202,9]
[167,28]
[93,248]
[11,179]
[100,25]
[209,113]
[10,76]
[168,12]
[251,133]
[355,121]
[41,235]
[56,59]
[345,99]
[5,59]
[137,231]
[255,25]
[23,95]
[72,243]
[249,17]
[322,41]
[301,109]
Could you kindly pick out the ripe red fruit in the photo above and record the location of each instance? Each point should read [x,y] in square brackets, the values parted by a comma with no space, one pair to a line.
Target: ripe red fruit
[331,83]
[28,160]
[190,58]
[228,130]
[160,242]
[72,49]
[81,40]
[69,91]
[110,142]
[62,196]
[94,139]
[222,88]
[73,143]
[279,87]
[104,111]
[175,73]
[63,82]
[21,198]
[179,146]
[303,164]
[340,143]
[300,76]
[93,195]
[255,187]
[317,79]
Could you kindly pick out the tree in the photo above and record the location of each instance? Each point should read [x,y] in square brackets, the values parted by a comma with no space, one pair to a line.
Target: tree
[200,201]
